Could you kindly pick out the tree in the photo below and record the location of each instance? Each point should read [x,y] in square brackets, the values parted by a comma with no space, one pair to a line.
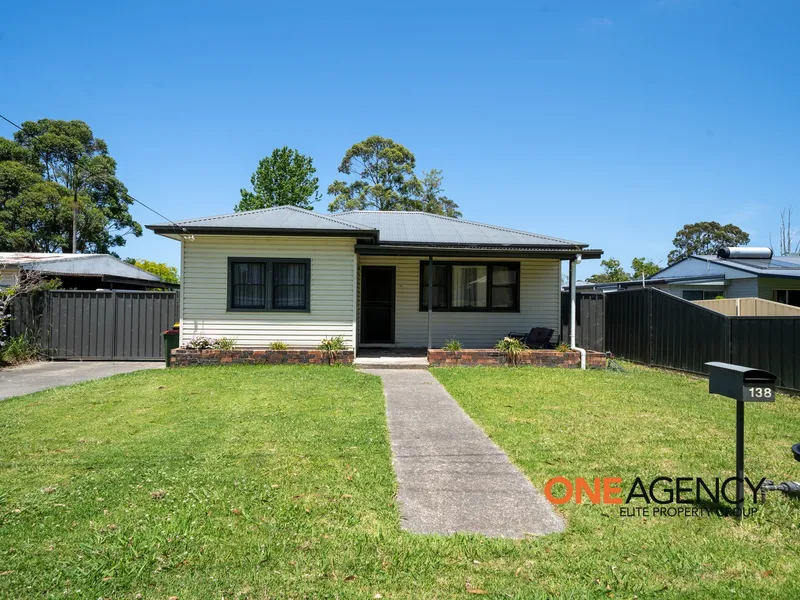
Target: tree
[705,237]
[163,270]
[643,268]
[431,196]
[612,272]
[285,178]
[787,234]
[67,154]
[385,180]
[385,172]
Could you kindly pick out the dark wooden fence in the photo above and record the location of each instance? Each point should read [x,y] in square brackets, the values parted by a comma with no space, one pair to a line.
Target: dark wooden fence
[652,327]
[590,320]
[113,325]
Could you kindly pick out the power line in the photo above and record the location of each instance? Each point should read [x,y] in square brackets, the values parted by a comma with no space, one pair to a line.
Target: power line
[181,227]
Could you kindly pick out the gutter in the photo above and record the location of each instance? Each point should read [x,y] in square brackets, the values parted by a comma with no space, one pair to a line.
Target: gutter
[572,279]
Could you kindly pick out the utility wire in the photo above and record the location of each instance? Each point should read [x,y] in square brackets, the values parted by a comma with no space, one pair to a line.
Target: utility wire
[181,227]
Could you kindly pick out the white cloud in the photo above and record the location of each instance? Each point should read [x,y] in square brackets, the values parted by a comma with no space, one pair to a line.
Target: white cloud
[600,22]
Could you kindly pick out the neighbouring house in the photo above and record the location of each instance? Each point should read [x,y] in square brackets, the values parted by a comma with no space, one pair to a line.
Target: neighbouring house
[377,279]
[80,271]
[755,274]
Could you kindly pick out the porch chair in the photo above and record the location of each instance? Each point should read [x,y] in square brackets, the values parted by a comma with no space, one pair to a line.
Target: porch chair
[537,337]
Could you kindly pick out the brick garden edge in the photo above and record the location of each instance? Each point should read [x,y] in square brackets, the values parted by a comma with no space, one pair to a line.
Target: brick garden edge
[527,358]
[185,357]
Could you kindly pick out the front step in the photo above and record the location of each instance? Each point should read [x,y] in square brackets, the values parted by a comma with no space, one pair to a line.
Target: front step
[391,363]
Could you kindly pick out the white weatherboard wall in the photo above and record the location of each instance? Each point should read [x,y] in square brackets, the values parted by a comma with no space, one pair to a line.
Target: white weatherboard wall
[540,295]
[204,291]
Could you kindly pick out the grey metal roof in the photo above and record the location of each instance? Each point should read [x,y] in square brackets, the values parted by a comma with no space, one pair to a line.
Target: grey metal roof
[777,266]
[389,227]
[79,265]
[424,228]
[277,218]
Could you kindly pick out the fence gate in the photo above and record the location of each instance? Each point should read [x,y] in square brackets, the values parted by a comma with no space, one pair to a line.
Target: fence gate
[113,325]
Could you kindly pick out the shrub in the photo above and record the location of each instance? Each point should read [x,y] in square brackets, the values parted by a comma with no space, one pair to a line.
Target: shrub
[512,348]
[453,345]
[563,347]
[225,343]
[200,343]
[19,349]
[331,347]
[209,343]
[278,345]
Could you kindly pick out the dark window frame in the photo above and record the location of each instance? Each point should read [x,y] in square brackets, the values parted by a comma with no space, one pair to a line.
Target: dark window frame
[786,293]
[489,274]
[268,283]
[703,293]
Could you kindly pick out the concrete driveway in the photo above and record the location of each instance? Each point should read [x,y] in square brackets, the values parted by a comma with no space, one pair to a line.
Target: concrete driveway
[33,377]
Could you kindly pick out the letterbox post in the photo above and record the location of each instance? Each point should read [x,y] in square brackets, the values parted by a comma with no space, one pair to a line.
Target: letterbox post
[740,457]
[743,384]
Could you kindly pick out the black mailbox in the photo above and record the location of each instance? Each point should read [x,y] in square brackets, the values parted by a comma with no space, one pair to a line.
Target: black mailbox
[741,383]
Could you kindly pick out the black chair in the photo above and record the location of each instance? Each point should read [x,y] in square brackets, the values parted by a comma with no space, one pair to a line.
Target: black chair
[537,337]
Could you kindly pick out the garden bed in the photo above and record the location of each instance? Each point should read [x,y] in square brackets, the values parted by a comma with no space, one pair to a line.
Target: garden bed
[185,357]
[498,358]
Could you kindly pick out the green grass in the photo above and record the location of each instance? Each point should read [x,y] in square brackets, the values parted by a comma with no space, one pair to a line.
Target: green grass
[276,482]
[644,423]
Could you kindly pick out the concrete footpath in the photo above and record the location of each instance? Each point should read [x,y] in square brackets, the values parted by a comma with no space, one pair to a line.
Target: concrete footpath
[451,476]
[37,376]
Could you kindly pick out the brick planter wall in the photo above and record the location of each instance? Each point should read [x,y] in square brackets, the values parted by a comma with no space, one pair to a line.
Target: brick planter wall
[532,358]
[183,357]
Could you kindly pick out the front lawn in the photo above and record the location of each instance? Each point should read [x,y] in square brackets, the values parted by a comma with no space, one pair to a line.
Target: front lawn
[645,423]
[276,482]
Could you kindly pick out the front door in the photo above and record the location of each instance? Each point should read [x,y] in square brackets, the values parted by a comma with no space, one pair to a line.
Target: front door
[377,305]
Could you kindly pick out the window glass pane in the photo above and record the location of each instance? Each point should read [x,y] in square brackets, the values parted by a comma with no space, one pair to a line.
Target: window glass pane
[440,273]
[469,286]
[793,297]
[248,285]
[504,275]
[504,287]
[692,295]
[780,296]
[289,285]
[504,297]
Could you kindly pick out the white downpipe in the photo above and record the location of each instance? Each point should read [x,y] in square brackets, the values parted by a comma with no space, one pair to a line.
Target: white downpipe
[572,322]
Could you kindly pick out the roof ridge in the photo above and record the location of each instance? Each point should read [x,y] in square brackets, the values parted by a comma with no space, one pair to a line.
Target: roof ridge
[487,225]
[274,208]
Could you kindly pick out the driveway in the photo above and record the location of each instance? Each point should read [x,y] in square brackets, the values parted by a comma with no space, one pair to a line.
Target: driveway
[33,377]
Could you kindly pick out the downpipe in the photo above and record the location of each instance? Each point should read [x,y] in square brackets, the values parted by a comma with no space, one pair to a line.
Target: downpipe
[572,323]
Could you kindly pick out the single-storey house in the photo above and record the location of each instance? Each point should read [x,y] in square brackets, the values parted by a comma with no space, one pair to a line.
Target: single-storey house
[80,271]
[706,277]
[375,278]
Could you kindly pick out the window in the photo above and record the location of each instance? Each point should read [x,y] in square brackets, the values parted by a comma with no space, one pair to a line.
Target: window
[701,294]
[441,286]
[289,285]
[247,285]
[257,284]
[471,286]
[791,297]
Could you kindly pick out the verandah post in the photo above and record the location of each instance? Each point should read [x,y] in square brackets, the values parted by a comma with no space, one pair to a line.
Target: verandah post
[430,300]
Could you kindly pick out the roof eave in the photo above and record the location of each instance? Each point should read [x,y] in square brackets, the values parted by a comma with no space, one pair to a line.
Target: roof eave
[484,251]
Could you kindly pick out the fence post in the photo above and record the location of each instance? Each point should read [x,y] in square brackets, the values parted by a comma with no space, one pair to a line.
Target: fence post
[649,302]
[113,324]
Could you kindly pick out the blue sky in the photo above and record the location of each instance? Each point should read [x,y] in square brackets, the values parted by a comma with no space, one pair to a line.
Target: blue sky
[613,123]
